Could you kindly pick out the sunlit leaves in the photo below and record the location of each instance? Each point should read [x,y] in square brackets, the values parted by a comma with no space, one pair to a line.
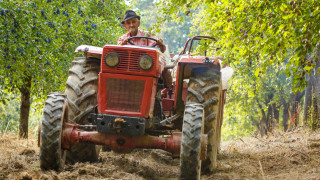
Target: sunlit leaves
[259,30]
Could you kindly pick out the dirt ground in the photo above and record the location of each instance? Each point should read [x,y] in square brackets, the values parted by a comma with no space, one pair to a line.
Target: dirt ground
[292,155]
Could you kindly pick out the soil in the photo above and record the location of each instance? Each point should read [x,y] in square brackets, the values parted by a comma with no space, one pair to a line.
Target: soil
[292,155]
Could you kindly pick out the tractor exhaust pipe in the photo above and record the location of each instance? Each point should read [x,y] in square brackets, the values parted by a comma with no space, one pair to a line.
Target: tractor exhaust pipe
[72,135]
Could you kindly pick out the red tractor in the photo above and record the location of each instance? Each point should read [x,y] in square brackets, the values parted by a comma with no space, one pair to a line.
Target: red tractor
[122,97]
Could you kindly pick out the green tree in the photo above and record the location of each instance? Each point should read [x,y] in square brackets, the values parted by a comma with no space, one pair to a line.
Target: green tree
[38,38]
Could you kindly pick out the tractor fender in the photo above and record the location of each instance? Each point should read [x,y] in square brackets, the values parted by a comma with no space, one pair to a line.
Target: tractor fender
[214,62]
[90,51]
[198,60]
[188,63]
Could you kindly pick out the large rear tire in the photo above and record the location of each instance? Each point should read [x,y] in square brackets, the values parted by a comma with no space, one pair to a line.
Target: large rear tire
[192,129]
[81,91]
[205,88]
[52,156]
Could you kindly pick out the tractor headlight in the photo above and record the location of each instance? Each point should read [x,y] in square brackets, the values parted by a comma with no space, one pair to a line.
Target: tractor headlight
[112,59]
[145,62]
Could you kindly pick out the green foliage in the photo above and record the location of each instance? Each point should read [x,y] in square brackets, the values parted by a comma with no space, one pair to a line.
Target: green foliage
[249,97]
[235,126]
[38,38]
[9,115]
[203,47]
[265,32]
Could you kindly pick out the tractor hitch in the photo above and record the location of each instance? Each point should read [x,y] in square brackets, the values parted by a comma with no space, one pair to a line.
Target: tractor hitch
[112,124]
[71,135]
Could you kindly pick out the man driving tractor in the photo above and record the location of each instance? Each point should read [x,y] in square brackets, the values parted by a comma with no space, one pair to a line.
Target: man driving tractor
[132,22]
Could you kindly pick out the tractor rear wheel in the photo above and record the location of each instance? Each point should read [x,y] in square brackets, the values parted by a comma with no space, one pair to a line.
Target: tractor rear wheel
[192,129]
[52,156]
[81,91]
[205,88]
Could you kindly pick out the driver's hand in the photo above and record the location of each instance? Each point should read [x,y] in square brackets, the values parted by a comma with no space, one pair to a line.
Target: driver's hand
[160,41]
[161,45]
[125,41]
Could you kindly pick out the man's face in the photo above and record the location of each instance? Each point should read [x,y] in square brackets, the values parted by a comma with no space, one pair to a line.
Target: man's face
[132,26]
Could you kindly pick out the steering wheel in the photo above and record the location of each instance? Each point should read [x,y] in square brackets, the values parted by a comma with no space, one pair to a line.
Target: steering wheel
[134,37]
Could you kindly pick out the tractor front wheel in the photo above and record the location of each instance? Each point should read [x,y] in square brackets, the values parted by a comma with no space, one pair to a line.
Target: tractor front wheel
[205,88]
[52,156]
[81,91]
[192,130]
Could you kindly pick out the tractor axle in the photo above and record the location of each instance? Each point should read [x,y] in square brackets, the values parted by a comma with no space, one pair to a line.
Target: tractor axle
[72,135]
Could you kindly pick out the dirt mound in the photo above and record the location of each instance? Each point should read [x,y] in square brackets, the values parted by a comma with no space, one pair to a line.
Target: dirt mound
[293,155]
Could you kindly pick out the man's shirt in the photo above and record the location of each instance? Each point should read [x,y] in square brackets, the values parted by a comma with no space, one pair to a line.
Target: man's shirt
[140,41]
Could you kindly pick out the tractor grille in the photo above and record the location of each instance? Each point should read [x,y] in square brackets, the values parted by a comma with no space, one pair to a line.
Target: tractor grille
[129,59]
[124,94]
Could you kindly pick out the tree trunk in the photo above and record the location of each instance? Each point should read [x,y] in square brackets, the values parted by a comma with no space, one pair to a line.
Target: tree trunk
[266,122]
[263,122]
[295,109]
[262,126]
[285,116]
[315,121]
[269,122]
[317,78]
[24,108]
[307,103]
[276,114]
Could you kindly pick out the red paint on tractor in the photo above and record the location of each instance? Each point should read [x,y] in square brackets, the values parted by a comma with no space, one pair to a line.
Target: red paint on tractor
[129,57]
[128,96]
[180,94]
[167,104]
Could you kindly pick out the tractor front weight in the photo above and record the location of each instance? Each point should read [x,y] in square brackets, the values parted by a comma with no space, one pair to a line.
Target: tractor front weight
[72,135]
